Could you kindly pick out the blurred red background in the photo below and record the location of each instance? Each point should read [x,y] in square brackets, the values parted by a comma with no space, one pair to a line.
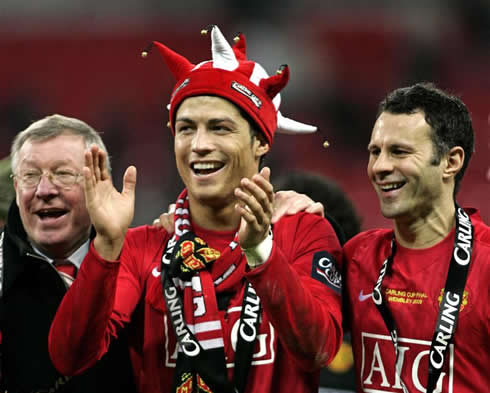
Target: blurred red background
[343,61]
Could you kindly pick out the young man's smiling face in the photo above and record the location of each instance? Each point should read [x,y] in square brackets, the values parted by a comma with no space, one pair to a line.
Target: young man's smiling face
[214,149]
[402,166]
[55,218]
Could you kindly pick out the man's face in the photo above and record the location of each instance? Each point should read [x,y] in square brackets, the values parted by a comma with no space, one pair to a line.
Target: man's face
[55,219]
[213,149]
[401,168]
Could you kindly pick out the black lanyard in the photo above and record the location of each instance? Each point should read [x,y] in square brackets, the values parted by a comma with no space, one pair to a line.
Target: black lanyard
[450,304]
[247,329]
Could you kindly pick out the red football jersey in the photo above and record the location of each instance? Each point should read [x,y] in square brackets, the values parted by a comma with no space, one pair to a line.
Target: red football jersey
[299,288]
[413,292]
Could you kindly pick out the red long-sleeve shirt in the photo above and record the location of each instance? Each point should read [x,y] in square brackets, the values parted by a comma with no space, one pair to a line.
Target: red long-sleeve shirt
[299,332]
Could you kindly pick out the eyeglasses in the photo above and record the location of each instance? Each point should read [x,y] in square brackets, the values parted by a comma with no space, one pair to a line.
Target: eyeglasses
[63,179]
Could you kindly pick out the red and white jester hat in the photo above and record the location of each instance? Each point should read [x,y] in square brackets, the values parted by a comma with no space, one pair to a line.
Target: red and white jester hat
[232,76]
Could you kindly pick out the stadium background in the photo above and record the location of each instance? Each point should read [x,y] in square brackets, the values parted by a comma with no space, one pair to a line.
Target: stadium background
[82,58]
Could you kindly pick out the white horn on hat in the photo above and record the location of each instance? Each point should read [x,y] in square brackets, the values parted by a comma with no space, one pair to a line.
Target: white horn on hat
[285,125]
[223,55]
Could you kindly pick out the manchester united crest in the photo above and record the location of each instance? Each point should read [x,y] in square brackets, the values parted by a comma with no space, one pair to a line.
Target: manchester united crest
[192,254]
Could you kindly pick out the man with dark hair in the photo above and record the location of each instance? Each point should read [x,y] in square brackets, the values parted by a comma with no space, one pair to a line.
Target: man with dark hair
[44,241]
[417,295]
[446,115]
[228,303]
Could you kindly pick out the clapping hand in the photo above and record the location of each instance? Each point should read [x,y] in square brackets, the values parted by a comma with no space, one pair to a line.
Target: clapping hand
[256,197]
[111,212]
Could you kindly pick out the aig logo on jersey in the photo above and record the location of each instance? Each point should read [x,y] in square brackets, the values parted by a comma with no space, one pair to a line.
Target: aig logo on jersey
[324,269]
[378,371]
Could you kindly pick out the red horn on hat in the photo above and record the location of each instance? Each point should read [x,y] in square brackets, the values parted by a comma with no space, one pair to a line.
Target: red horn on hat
[274,84]
[178,64]
[240,47]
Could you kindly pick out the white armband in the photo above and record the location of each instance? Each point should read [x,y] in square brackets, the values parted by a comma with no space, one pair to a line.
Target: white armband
[259,254]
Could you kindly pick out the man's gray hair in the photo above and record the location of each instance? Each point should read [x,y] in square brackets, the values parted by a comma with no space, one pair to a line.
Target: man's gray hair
[51,127]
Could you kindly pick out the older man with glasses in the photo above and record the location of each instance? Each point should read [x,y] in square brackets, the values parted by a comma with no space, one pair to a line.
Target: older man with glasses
[44,242]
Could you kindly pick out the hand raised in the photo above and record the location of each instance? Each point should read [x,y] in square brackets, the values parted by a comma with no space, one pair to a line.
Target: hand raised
[255,196]
[111,212]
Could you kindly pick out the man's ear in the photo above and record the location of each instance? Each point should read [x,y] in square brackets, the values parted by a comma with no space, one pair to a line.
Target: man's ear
[454,162]
[261,146]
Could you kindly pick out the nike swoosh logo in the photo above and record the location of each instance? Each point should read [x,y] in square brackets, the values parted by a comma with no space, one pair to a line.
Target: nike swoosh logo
[155,272]
[363,297]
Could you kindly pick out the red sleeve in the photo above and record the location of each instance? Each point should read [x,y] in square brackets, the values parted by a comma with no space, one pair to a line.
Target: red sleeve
[302,307]
[99,303]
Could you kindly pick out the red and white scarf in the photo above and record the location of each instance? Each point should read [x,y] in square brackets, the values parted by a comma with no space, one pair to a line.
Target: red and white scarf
[188,265]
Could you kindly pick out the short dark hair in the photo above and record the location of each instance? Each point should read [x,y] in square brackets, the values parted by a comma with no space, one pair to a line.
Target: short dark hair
[255,130]
[322,189]
[446,114]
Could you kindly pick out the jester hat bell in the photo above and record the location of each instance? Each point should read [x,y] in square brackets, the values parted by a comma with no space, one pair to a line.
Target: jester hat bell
[232,76]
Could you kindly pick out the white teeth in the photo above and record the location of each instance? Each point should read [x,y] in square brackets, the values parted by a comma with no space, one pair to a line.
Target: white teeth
[392,186]
[201,166]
